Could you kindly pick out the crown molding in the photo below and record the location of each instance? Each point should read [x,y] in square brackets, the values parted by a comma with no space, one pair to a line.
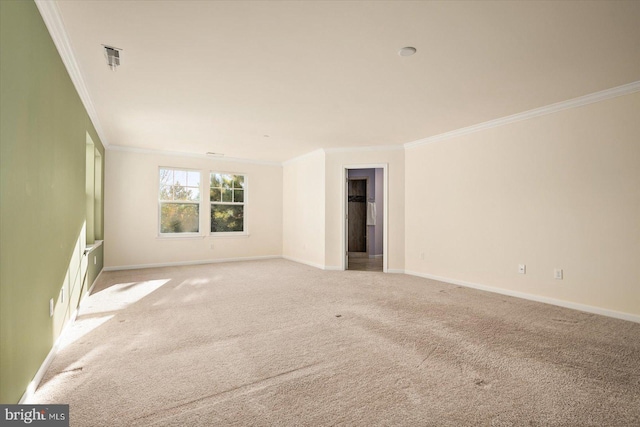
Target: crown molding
[368,148]
[345,150]
[549,109]
[55,24]
[194,155]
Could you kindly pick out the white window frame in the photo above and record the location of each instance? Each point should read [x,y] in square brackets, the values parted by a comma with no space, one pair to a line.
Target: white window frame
[161,202]
[244,203]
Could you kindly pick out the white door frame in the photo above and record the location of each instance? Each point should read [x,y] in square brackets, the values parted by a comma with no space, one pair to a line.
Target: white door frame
[385,212]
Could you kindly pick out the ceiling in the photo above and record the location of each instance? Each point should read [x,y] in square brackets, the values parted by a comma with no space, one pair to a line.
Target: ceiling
[272,80]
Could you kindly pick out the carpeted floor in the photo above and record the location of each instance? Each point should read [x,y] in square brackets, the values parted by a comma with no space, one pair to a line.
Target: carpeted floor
[278,343]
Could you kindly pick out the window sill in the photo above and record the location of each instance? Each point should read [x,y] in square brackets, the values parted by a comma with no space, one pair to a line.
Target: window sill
[179,236]
[228,235]
[90,248]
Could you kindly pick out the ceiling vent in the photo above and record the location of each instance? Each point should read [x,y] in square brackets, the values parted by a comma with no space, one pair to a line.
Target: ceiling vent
[113,56]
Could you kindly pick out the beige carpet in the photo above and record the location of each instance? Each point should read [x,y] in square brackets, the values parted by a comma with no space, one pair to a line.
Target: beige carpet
[278,343]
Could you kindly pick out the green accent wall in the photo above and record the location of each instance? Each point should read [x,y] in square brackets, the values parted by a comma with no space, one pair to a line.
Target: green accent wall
[43,134]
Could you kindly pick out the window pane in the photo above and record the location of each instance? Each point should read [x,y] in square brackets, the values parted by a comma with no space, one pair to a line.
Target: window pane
[214,194]
[227,195]
[238,182]
[225,218]
[166,176]
[183,193]
[216,180]
[238,196]
[193,179]
[194,194]
[227,181]
[166,192]
[180,177]
[179,218]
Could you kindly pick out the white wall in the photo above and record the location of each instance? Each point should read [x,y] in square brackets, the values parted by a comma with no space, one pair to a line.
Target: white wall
[335,163]
[557,191]
[304,209]
[131,212]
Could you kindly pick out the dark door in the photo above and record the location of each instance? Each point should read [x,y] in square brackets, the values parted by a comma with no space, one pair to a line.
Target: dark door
[357,215]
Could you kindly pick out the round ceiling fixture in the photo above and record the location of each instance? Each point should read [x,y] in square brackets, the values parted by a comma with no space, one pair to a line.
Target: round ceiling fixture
[407,51]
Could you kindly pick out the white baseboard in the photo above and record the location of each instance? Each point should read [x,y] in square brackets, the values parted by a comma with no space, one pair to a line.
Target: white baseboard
[395,271]
[301,261]
[547,300]
[333,268]
[180,263]
[33,385]
[93,285]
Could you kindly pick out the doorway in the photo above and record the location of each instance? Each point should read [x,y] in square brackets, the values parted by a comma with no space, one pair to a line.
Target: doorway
[365,235]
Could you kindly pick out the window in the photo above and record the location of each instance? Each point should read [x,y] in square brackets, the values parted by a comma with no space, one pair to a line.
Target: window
[179,201]
[227,196]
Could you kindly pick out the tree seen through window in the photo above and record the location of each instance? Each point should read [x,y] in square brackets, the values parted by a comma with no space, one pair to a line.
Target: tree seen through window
[227,195]
[179,201]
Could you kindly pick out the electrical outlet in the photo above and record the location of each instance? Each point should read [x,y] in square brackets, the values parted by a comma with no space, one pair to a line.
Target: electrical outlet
[211,246]
[62,295]
[522,269]
[51,307]
[557,273]
[95,259]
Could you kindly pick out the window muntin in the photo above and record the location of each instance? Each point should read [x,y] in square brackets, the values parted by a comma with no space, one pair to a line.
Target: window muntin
[227,194]
[179,201]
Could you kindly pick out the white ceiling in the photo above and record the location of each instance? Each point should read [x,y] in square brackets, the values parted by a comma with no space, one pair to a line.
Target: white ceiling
[200,76]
